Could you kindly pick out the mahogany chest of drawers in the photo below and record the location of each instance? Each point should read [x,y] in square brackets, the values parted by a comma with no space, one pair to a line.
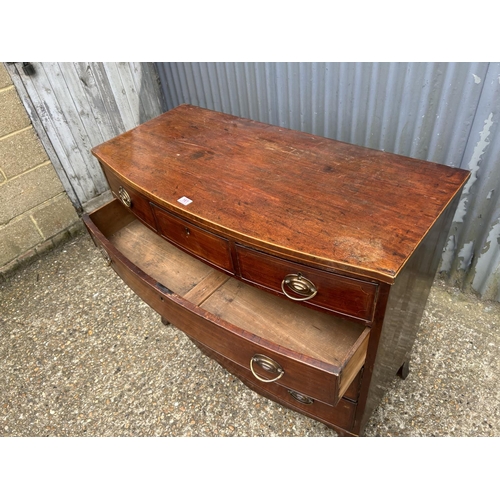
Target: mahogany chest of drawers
[299,263]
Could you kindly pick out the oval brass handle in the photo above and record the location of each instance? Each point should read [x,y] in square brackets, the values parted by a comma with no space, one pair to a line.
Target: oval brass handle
[267,364]
[124,197]
[300,285]
[300,397]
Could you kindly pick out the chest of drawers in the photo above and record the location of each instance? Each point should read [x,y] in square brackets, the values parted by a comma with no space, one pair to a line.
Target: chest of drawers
[301,264]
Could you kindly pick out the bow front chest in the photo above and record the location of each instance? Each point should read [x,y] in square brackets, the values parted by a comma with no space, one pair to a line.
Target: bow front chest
[299,263]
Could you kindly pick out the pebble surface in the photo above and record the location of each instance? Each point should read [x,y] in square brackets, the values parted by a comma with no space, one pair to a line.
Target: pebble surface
[82,355]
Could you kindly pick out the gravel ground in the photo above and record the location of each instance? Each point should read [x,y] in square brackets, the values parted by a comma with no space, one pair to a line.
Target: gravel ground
[81,355]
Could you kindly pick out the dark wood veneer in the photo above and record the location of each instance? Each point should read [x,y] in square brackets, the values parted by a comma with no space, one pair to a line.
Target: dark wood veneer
[210,248]
[336,293]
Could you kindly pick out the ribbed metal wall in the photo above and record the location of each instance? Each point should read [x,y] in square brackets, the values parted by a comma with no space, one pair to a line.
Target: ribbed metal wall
[442,112]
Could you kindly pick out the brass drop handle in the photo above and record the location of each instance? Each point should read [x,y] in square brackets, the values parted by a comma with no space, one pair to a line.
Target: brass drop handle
[267,364]
[300,397]
[124,197]
[300,285]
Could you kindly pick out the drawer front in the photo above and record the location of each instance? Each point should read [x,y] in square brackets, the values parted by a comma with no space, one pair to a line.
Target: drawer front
[341,415]
[208,247]
[247,351]
[130,198]
[333,292]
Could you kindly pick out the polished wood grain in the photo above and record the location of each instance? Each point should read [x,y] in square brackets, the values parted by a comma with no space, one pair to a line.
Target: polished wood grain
[295,195]
[397,319]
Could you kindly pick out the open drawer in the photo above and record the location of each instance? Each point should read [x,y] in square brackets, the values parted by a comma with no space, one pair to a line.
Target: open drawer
[304,350]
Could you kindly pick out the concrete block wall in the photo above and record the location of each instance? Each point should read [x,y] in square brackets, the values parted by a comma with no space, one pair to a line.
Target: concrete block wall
[35,211]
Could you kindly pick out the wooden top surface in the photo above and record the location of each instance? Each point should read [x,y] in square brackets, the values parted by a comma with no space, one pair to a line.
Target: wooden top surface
[298,195]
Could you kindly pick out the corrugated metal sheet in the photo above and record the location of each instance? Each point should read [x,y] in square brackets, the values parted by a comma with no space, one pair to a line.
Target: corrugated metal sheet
[473,252]
[441,112]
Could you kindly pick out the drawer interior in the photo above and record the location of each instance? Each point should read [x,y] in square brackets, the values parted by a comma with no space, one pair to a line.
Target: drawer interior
[316,334]
[161,260]
[333,341]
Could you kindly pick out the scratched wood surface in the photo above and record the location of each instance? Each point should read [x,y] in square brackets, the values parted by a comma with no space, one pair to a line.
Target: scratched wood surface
[294,194]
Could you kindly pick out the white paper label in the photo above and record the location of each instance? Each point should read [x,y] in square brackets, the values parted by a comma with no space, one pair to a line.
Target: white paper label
[185,201]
